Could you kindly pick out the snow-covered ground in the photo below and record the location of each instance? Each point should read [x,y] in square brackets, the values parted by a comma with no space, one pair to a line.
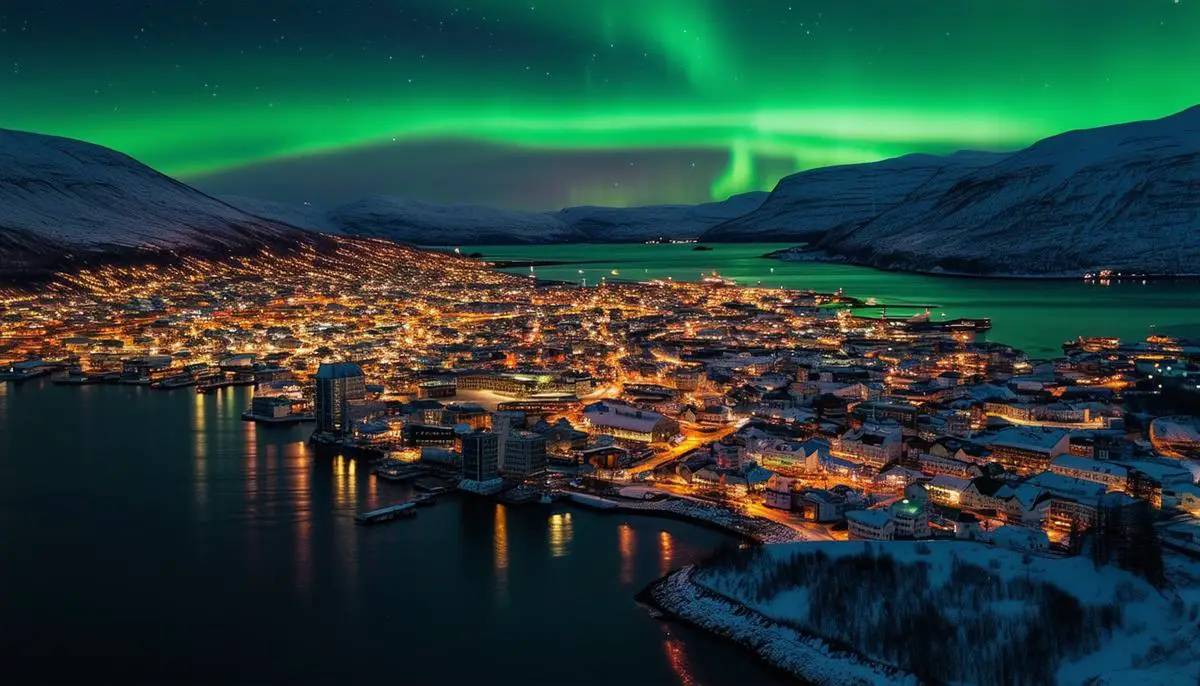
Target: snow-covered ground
[795,652]
[1116,630]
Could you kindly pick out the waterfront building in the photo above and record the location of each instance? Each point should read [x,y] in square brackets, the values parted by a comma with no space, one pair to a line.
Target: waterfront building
[271,407]
[524,454]
[339,387]
[480,470]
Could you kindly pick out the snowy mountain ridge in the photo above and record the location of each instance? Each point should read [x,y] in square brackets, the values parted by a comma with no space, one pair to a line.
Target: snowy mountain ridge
[1123,197]
[412,221]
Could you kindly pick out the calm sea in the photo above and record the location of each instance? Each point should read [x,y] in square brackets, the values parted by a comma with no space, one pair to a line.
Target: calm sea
[151,536]
[1036,316]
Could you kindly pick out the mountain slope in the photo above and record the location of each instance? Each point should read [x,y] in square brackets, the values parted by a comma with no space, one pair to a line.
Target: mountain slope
[422,223]
[64,200]
[811,203]
[613,224]
[1124,197]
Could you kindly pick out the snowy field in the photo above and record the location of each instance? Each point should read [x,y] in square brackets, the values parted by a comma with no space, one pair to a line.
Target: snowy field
[950,611]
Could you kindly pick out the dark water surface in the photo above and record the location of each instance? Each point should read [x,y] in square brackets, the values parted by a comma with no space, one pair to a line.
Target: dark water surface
[150,536]
[1036,316]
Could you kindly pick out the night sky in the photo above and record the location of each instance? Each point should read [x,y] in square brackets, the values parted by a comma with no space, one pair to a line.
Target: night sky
[541,104]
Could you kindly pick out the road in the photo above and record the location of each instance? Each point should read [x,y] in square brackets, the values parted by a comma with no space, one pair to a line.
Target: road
[690,442]
[809,530]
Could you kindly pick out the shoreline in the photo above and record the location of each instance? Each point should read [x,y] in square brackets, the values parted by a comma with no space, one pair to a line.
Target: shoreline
[793,255]
[791,652]
[721,521]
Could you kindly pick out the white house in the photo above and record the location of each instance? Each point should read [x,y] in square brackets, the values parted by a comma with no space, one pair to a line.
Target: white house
[871,525]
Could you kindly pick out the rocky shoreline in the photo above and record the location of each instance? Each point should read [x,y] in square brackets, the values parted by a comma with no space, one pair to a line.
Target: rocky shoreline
[798,654]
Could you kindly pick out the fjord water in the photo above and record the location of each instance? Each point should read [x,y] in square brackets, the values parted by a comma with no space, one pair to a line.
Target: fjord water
[153,536]
[1034,315]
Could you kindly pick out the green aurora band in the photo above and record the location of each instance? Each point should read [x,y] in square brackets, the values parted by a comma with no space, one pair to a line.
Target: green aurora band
[805,83]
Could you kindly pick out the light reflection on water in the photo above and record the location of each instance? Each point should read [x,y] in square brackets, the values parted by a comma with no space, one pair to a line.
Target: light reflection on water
[250,521]
[560,534]
[200,453]
[666,553]
[500,549]
[627,542]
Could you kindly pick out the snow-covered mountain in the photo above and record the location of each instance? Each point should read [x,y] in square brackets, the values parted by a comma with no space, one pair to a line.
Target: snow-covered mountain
[812,203]
[423,223]
[63,200]
[1123,197]
[613,224]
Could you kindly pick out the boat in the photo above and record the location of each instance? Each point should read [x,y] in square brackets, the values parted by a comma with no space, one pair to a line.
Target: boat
[715,279]
[425,500]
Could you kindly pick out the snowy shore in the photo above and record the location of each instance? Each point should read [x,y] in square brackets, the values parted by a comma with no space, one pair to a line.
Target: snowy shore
[943,612]
[802,655]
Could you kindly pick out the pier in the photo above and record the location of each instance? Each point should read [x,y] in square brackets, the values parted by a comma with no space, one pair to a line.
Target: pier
[386,514]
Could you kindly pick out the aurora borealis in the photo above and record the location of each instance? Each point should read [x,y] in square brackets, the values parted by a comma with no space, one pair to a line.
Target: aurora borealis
[543,104]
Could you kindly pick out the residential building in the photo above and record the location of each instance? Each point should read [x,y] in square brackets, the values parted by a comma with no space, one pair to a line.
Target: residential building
[871,525]
[1027,451]
[947,490]
[874,445]
[779,492]
[1112,475]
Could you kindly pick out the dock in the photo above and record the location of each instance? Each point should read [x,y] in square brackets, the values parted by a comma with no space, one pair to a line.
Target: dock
[214,386]
[386,514]
[403,473]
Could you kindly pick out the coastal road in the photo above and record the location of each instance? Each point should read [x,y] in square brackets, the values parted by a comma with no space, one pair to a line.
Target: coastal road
[807,530]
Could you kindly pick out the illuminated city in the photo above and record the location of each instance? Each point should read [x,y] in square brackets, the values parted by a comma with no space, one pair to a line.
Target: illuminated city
[595,343]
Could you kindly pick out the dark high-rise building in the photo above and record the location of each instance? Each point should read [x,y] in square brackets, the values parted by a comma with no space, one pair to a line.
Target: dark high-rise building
[479,451]
[338,386]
